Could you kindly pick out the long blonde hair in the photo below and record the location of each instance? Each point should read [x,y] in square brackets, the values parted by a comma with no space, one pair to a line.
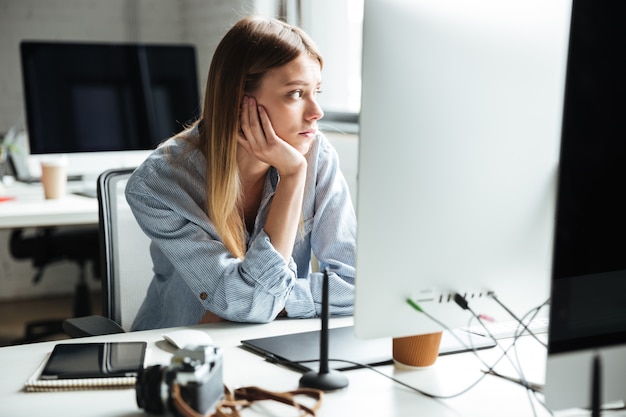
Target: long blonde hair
[249,49]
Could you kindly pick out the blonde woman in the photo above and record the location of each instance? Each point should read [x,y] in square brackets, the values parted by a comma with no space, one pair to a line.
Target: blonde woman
[235,204]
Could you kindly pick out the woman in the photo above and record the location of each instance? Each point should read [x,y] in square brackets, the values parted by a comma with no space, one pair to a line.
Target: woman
[235,204]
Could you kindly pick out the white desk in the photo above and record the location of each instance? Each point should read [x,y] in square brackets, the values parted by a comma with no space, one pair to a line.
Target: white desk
[30,209]
[368,394]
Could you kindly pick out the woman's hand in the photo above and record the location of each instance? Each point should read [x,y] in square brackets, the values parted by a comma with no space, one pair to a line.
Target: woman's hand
[258,138]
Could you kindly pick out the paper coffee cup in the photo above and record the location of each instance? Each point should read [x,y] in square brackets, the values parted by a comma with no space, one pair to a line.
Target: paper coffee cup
[54,177]
[416,351]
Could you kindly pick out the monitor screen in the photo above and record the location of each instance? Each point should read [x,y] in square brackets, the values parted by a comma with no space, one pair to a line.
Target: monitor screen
[588,313]
[458,155]
[95,97]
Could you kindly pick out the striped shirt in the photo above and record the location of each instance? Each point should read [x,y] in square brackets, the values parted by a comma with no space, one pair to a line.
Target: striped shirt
[193,270]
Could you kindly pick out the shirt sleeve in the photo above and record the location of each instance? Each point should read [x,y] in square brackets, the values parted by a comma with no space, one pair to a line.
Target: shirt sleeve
[253,289]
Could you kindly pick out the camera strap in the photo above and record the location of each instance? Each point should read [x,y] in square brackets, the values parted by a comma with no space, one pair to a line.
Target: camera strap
[244,397]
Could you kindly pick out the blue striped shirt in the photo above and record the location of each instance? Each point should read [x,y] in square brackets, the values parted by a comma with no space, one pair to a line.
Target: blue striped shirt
[193,270]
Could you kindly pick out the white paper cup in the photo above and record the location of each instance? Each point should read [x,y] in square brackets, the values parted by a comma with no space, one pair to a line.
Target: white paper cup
[54,177]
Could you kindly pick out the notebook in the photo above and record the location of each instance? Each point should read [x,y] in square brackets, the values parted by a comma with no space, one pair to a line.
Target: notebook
[290,349]
[73,366]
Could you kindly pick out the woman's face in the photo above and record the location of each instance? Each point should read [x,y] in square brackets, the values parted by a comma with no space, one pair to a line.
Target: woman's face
[289,95]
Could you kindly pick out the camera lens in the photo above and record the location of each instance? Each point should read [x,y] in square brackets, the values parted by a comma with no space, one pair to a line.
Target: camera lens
[148,389]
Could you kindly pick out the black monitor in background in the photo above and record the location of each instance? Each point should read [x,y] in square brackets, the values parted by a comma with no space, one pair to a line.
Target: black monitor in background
[588,311]
[97,97]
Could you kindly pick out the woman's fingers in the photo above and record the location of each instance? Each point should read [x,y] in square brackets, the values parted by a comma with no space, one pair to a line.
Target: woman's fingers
[251,125]
[253,130]
[266,125]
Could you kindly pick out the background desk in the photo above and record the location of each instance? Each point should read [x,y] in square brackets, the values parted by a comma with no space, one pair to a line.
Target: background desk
[368,394]
[30,209]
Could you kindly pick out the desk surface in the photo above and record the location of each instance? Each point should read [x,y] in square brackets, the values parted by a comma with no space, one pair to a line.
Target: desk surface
[29,208]
[368,393]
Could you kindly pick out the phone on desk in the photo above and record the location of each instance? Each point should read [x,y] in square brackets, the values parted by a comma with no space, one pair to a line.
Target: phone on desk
[94,360]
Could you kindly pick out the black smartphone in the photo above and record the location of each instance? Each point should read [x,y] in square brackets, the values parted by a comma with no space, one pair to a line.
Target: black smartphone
[94,360]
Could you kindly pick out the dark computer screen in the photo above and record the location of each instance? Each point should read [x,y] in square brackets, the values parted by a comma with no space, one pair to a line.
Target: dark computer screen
[589,270]
[88,97]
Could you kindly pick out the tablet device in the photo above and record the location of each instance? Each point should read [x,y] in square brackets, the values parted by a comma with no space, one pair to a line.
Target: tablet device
[94,360]
[291,349]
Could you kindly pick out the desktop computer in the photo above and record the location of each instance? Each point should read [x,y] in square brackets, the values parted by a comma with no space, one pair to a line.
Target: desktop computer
[458,156]
[587,334]
[102,104]
[492,160]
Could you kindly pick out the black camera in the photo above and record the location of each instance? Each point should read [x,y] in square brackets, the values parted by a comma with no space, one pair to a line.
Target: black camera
[194,378]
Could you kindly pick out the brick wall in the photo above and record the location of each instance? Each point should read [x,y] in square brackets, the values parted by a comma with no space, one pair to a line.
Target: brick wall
[200,22]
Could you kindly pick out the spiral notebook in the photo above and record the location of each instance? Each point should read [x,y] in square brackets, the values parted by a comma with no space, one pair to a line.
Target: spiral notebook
[80,366]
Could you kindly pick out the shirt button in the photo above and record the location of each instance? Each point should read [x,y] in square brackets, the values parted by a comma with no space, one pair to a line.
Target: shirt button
[203,296]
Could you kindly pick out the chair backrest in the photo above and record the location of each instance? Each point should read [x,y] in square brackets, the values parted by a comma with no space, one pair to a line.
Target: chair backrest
[127,265]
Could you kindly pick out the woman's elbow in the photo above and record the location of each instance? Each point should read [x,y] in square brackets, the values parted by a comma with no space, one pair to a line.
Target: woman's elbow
[255,314]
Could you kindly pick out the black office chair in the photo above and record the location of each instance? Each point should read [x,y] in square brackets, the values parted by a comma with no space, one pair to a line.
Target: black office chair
[50,245]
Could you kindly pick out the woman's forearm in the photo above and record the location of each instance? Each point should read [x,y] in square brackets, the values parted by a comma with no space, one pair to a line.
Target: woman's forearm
[284,215]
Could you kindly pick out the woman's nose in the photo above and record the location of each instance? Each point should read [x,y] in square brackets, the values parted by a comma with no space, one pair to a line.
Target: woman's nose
[314,112]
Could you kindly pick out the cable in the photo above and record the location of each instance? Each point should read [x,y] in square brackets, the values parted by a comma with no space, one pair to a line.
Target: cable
[463,304]
[442,325]
[532,313]
[397,381]
[430,395]
[490,368]
[530,388]
[521,321]
[517,366]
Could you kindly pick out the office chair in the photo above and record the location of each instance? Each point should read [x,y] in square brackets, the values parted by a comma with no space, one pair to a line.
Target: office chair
[125,259]
[50,245]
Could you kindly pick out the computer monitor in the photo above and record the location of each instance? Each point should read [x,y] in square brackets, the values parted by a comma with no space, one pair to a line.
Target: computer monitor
[458,153]
[98,97]
[588,312]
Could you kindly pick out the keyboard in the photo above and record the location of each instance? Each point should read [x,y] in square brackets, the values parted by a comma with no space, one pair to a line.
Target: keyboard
[506,329]
[36,180]
[87,192]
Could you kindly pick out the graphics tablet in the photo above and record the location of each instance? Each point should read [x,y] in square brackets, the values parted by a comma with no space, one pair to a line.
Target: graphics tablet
[290,349]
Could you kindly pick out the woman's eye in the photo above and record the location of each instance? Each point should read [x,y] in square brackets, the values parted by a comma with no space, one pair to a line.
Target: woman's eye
[300,93]
[297,94]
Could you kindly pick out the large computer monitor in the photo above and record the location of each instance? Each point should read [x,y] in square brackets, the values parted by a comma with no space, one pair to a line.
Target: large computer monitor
[98,97]
[588,313]
[459,140]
